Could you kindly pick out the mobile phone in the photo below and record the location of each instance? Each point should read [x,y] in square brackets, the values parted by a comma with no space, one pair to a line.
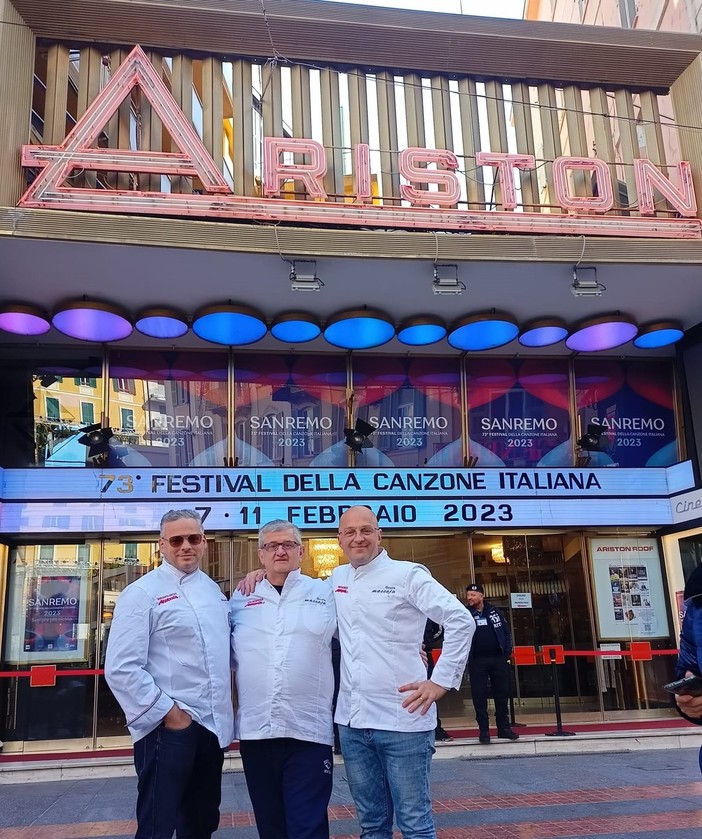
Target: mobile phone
[689,686]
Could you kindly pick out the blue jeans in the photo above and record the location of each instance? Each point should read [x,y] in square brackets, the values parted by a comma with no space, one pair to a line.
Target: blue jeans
[388,772]
[180,783]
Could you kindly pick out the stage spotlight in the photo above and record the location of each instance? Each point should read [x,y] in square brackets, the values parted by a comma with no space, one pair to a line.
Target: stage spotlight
[585,283]
[303,276]
[591,441]
[96,438]
[446,280]
[356,438]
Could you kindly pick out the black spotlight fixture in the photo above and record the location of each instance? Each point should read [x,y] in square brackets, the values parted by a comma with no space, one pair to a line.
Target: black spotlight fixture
[591,441]
[96,438]
[356,438]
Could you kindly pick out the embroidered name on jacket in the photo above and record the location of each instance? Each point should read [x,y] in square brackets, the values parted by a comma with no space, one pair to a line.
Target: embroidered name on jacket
[259,601]
[318,601]
[167,598]
[384,590]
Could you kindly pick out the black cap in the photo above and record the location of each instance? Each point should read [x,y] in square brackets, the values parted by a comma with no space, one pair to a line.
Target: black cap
[475,587]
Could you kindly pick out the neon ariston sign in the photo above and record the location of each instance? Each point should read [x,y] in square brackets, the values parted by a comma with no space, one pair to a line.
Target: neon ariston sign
[428,209]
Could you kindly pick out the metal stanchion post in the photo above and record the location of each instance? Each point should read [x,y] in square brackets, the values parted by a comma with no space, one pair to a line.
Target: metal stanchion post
[559,732]
[512,681]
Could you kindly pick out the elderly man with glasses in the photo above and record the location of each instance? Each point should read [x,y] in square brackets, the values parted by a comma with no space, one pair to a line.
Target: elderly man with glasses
[281,642]
[168,665]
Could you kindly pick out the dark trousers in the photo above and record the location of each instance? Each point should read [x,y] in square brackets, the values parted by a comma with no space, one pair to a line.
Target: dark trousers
[180,783]
[495,670]
[290,784]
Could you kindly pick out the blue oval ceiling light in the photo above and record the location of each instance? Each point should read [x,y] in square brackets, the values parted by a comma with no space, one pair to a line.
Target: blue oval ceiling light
[483,331]
[659,334]
[602,333]
[22,319]
[543,332]
[157,322]
[359,329]
[229,324]
[92,320]
[295,328]
[421,330]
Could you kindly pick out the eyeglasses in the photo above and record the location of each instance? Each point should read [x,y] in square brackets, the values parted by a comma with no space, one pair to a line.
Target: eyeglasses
[272,547]
[366,532]
[177,541]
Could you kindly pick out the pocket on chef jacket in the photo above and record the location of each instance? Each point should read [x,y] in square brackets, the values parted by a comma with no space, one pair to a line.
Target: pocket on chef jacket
[316,617]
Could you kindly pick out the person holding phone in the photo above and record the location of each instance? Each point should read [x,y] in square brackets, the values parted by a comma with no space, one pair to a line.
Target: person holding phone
[690,655]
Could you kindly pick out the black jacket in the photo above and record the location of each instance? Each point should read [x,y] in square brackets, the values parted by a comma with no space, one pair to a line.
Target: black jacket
[499,624]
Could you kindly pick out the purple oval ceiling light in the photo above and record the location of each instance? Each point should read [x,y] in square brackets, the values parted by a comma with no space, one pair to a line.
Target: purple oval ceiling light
[92,320]
[602,333]
[23,319]
[160,322]
[659,334]
[543,332]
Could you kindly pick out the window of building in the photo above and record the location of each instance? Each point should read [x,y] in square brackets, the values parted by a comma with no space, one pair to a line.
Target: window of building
[83,555]
[628,10]
[124,386]
[87,413]
[46,553]
[85,382]
[130,550]
[53,409]
[127,415]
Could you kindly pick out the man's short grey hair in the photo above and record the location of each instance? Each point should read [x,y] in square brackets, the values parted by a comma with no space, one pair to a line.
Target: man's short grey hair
[177,515]
[277,524]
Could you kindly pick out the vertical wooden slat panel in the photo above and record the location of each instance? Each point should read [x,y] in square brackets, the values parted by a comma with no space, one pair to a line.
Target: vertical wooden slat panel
[497,129]
[151,129]
[358,107]
[272,101]
[242,104]
[89,77]
[387,129]
[628,142]
[301,102]
[56,94]
[119,124]
[470,129]
[213,109]
[655,146]
[441,112]
[687,105]
[17,45]
[602,129]
[551,137]
[414,110]
[577,138]
[332,136]
[182,90]
[524,133]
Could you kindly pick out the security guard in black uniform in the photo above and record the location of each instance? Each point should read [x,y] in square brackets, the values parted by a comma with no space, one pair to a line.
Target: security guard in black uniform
[491,648]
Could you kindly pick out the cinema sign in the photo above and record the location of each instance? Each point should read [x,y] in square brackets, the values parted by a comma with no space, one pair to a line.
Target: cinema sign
[430,194]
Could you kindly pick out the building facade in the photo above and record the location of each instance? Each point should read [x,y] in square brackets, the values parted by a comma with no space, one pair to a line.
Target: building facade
[273,264]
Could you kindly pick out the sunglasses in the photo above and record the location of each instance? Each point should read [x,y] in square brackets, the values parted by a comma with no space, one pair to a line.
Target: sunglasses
[177,541]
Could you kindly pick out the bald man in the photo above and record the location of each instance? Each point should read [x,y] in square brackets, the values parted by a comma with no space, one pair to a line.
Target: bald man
[385,710]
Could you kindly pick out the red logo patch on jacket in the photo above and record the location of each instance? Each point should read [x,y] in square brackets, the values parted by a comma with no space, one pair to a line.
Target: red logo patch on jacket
[341,590]
[259,601]
[167,598]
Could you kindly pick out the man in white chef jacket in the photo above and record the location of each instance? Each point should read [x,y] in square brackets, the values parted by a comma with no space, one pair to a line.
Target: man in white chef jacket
[281,642]
[385,710]
[168,665]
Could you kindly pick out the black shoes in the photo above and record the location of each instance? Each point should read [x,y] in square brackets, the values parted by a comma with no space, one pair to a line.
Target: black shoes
[508,735]
[442,736]
[484,739]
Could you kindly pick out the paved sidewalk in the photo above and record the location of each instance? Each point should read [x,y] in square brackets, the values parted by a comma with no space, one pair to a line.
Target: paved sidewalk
[647,794]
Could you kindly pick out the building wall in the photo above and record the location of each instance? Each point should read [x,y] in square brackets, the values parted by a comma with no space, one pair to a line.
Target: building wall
[682,16]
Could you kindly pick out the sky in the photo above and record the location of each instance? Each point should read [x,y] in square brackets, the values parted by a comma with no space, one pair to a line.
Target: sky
[493,8]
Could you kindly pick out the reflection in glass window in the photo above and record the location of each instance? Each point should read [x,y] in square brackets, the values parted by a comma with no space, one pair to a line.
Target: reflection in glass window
[87,413]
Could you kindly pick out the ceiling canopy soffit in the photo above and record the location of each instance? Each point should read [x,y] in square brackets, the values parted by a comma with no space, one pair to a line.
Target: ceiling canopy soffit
[375,37]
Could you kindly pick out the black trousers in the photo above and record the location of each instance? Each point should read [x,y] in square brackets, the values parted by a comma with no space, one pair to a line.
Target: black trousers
[180,783]
[290,784]
[493,669]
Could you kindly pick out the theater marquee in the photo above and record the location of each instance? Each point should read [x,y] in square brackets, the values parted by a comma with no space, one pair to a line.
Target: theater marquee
[91,501]
[432,208]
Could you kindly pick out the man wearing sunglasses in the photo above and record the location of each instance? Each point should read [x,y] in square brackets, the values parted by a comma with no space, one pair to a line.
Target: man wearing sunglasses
[281,642]
[168,665]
